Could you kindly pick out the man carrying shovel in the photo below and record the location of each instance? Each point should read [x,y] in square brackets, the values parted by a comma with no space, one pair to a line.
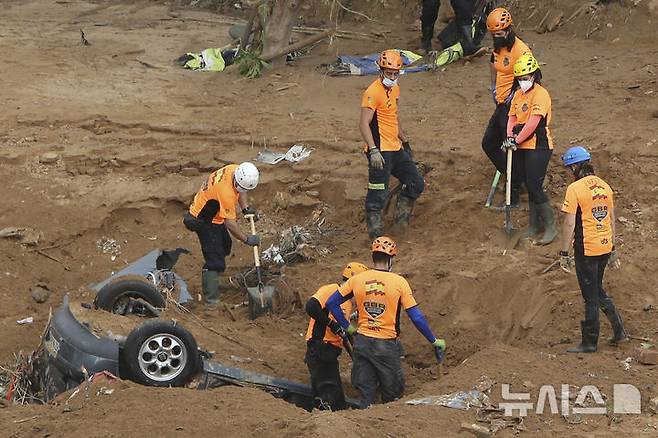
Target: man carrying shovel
[212,216]
[323,346]
[380,295]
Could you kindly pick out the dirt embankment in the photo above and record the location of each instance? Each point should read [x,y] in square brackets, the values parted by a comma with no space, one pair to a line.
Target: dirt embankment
[134,136]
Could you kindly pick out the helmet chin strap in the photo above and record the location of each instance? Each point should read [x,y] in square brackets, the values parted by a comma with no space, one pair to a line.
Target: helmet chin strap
[390,264]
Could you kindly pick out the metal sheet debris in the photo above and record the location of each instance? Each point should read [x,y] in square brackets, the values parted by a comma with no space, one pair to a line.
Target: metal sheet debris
[295,154]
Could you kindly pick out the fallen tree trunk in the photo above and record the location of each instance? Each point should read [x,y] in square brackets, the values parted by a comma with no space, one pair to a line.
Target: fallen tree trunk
[298,45]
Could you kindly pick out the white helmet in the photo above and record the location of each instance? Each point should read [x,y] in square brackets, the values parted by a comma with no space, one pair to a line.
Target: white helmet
[246,176]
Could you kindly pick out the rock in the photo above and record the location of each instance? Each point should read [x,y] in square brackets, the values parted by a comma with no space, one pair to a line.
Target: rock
[115,163]
[189,171]
[281,201]
[476,429]
[313,194]
[646,357]
[647,307]
[49,158]
[653,405]
[40,293]
[654,114]
[172,167]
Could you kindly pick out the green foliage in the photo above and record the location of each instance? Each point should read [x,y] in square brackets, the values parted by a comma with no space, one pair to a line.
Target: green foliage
[250,65]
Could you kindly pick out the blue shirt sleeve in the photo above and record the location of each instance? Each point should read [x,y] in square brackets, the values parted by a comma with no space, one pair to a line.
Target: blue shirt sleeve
[333,306]
[420,322]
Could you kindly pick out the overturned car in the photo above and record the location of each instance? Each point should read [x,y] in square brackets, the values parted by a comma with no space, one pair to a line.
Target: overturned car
[156,353]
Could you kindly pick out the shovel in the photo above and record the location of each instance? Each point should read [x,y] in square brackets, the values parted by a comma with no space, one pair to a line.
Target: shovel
[512,237]
[260,297]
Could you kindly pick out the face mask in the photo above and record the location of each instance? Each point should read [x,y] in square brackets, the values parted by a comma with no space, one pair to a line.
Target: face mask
[525,85]
[506,41]
[389,83]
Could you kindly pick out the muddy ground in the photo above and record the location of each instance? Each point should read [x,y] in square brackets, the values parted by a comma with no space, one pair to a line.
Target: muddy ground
[135,135]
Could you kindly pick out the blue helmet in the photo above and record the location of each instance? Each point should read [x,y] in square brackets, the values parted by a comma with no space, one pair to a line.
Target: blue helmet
[575,155]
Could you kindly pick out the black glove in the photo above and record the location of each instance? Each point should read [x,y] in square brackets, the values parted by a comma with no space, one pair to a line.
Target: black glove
[337,329]
[248,210]
[407,147]
[253,240]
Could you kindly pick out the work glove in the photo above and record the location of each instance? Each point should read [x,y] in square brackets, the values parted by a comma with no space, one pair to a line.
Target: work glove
[407,147]
[253,240]
[613,261]
[351,330]
[248,210]
[508,143]
[566,262]
[375,158]
[439,349]
[337,329]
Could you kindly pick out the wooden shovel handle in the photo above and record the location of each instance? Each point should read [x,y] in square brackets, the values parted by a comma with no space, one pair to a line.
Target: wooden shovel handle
[508,185]
[253,231]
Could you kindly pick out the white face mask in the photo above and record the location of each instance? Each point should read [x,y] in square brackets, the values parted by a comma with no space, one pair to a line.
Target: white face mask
[389,83]
[526,85]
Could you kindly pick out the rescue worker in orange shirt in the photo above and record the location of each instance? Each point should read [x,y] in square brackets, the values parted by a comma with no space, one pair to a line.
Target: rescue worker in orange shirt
[529,136]
[589,222]
[212,216]
[507,49]
[380,295]
[323,346]
[388,147]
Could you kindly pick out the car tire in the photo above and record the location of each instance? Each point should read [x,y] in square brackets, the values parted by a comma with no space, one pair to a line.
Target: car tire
[110,296]
[160,353]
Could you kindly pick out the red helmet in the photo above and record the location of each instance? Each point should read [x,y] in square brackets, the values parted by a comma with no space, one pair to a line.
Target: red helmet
[386,245]
[499,19]
[390,59]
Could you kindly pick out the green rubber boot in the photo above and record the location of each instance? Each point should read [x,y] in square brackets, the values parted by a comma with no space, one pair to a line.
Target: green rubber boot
[210,287]
[403,209]
[374,221]
[546,215]
[534,222]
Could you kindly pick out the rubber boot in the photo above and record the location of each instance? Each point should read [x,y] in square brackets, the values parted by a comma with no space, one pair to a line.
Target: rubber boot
[590,337]
[534,221]
[610,311]
[403,209]
[374,221]
[210,286]
[426,39]
[467,40]
[546,215]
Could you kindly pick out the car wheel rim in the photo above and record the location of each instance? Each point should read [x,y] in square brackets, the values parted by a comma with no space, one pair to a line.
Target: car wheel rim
[162,357]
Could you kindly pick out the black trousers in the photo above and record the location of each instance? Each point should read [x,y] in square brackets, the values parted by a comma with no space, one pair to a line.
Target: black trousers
[430,12]
[590,270]
[377,364]
[529,166]
[494,136]
[215,241]
[400,165]
[322,362]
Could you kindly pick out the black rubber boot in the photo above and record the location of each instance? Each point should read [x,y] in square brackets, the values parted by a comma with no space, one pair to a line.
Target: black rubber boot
[590,337]
[403,209]
[534,221]
[610,311]
[550,231]
[467,40]
[374,221]
[210,287]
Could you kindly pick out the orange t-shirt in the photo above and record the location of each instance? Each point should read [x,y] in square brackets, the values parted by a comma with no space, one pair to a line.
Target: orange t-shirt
[591,200]
[384,126]
[536,102]
[504,61]
[379,296]
[218,187]
[322,295]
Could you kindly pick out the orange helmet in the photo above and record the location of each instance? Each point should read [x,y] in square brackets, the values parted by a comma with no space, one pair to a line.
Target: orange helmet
[386,245]
[390,59]
[499,19]
[354,268]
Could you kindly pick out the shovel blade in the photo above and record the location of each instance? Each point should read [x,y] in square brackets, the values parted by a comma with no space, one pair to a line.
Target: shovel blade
[260,300]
